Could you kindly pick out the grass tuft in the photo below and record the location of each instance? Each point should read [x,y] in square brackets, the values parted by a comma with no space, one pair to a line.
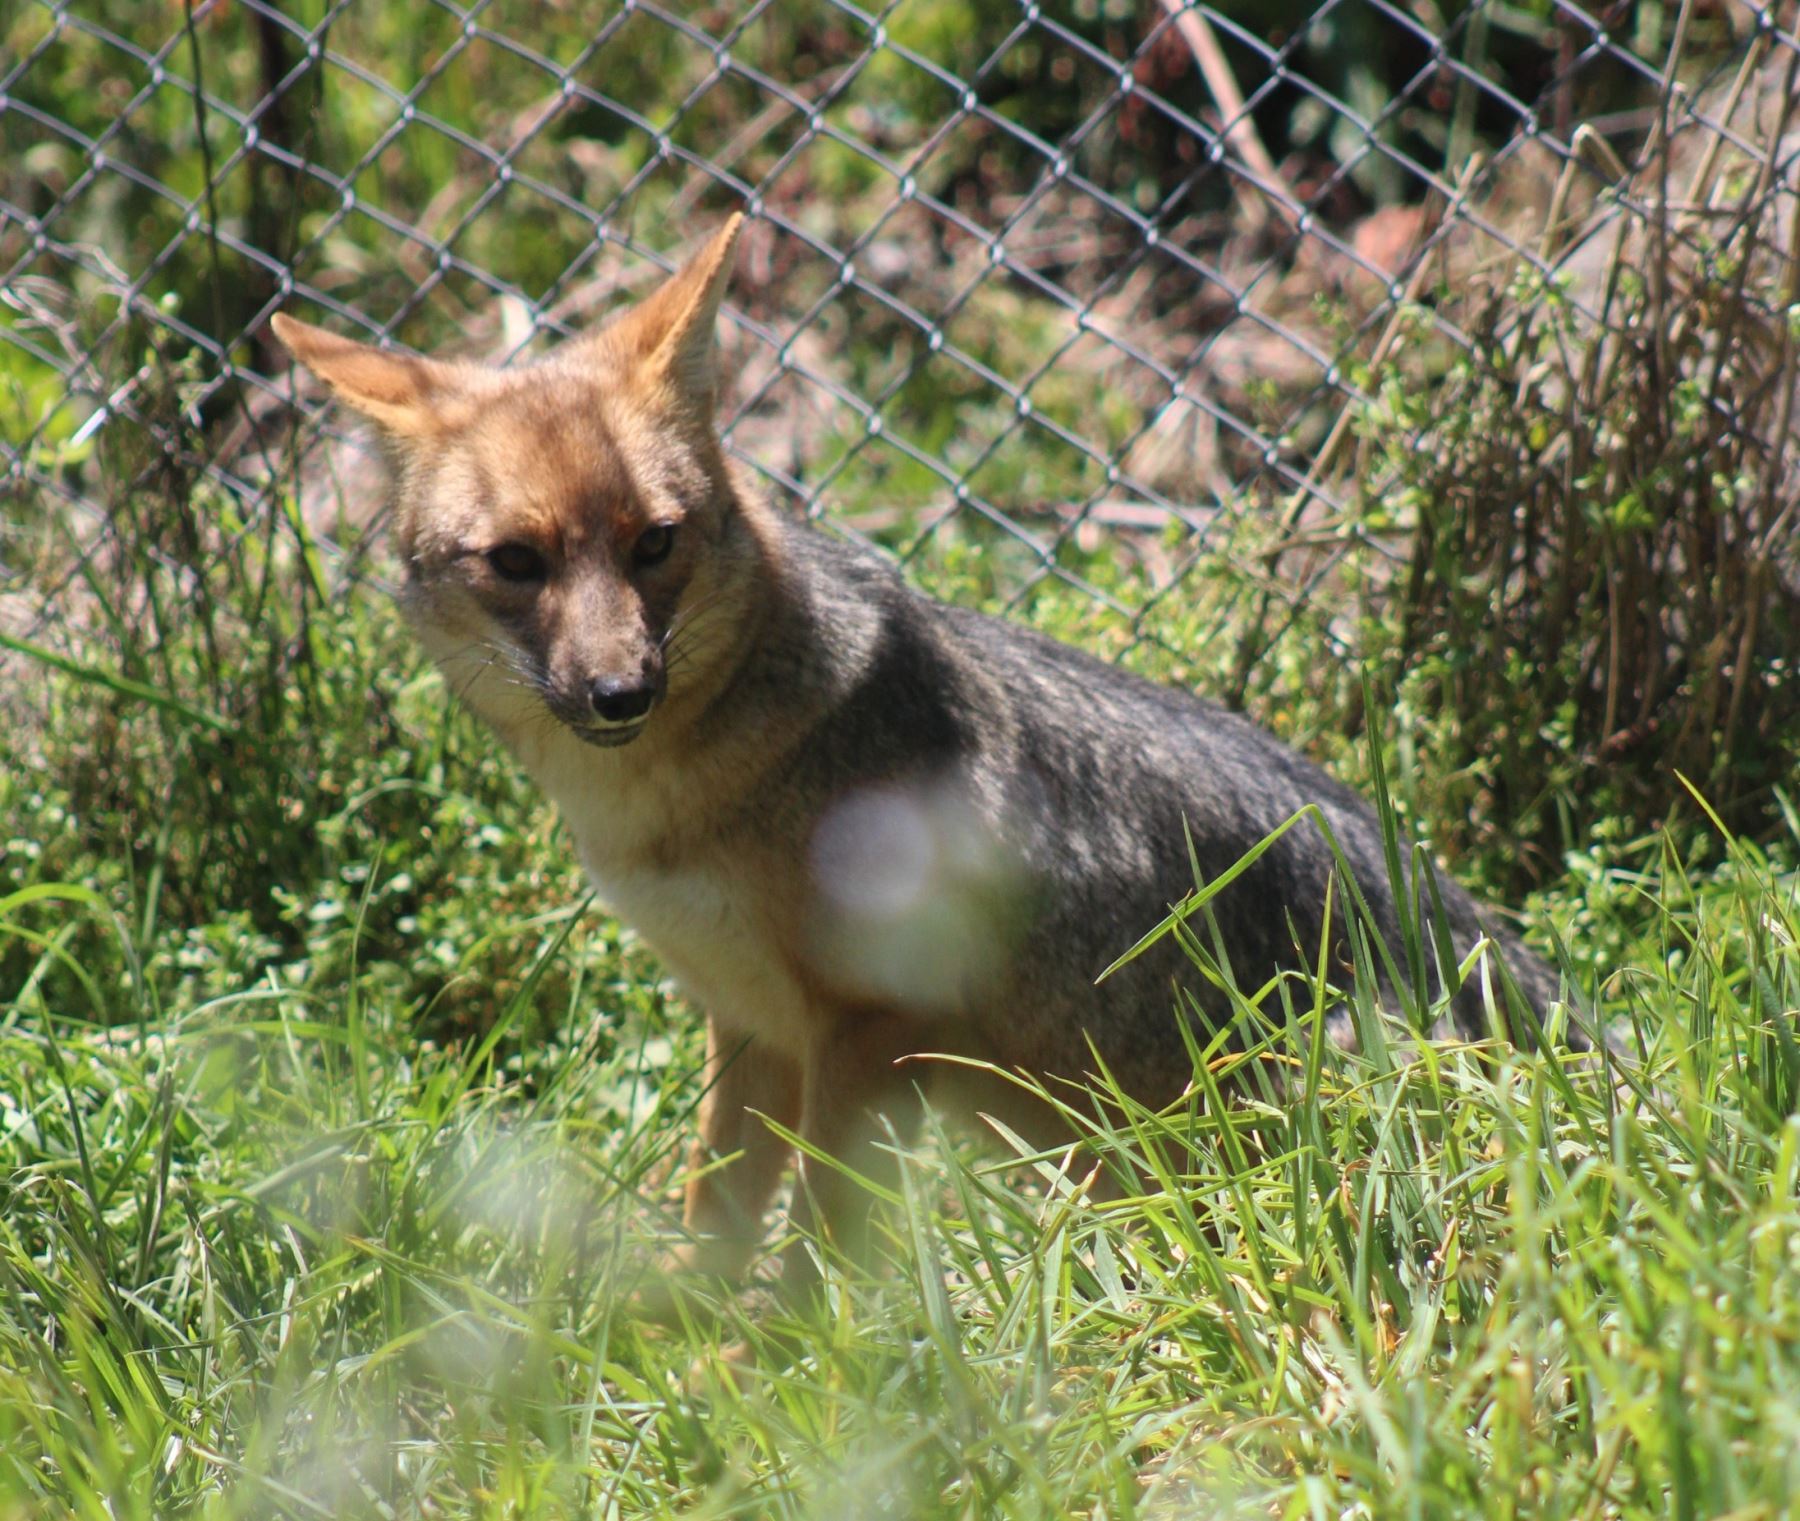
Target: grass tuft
[329,1205]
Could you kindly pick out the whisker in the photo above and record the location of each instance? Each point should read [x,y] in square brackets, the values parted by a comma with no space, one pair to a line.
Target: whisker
[696,639]
[690,615]
[516,670]
[695,621]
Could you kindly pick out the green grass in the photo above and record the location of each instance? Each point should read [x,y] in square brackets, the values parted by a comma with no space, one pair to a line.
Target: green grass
[336,1126]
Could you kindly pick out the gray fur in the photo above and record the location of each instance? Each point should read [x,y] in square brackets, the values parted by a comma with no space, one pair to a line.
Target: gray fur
[1092,780]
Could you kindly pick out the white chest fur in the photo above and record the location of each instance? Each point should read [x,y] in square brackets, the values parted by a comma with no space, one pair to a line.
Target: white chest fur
[707,916]
[710,930]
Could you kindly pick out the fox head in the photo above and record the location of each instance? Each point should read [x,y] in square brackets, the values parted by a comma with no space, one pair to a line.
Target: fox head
[569,529]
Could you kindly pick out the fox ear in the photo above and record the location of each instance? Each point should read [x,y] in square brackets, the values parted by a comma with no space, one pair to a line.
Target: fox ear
[408,396]
[670,332]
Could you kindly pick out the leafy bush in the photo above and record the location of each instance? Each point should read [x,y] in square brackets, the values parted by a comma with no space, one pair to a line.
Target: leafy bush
[1598,592]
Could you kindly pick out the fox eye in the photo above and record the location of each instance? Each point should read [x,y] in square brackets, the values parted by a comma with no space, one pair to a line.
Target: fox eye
[654,544]
[516,562]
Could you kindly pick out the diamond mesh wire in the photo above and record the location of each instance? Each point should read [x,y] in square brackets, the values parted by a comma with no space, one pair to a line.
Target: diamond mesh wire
[1093,291]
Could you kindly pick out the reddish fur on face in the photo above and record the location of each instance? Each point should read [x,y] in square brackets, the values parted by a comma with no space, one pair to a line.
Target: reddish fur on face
[575,458]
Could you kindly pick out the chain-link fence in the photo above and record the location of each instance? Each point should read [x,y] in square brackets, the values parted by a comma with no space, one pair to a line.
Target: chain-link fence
[1082,299]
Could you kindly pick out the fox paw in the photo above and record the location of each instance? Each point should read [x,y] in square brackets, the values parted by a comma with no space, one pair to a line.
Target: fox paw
[688,1282]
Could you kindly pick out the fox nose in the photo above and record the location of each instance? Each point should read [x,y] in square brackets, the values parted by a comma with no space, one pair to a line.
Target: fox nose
[621,700]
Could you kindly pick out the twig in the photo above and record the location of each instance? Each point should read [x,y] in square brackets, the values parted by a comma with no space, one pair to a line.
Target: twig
[1699,192]
[209,190]
[1240,130]
[1251,646]
[1660,293]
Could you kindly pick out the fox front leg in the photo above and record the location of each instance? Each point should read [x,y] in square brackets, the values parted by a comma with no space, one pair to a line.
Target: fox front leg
[734,1164]
[859,1097]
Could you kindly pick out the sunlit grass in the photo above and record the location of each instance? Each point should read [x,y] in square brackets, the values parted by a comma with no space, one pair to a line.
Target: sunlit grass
[332,1205]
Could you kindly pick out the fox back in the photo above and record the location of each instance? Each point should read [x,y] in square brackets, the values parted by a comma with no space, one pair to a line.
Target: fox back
[859,826]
